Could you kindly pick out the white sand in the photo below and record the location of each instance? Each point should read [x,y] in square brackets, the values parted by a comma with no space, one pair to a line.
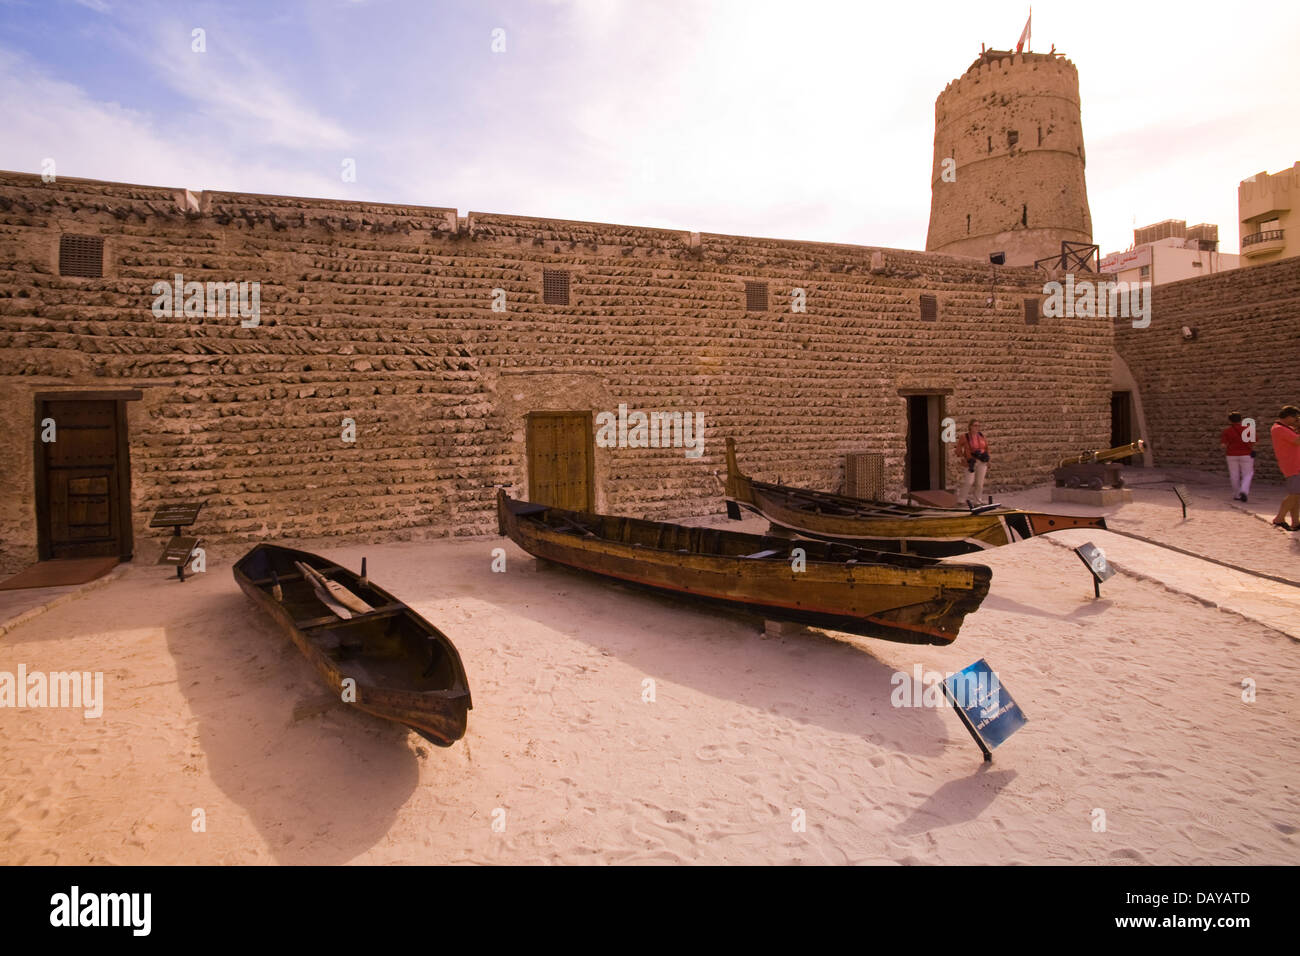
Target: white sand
[1134,703]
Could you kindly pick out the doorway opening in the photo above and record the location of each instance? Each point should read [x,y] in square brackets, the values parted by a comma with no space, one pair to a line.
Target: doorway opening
[1122,428]
[926,461]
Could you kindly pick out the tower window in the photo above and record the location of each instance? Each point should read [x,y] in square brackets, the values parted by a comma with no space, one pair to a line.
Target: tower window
[1032,307]
[929,308]
[555,286]
[81,256]
[1024,216]
[990,144]
[1013,137]
[968,224]
[1040,136]
[755,296]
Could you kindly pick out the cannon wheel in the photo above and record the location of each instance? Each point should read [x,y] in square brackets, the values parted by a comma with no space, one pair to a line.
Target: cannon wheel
[1072,481]
[1096,484]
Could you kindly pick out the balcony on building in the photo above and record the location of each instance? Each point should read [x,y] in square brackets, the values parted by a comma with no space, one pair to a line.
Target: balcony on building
[1268,237]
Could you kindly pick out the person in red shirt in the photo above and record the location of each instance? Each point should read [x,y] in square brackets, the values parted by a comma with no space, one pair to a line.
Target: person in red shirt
[1241,456]
[1286,445]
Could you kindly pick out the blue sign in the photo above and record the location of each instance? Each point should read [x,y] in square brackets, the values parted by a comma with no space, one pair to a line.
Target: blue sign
[984,705]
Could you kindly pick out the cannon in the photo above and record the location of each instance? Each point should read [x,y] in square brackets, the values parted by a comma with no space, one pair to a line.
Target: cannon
[1096,469]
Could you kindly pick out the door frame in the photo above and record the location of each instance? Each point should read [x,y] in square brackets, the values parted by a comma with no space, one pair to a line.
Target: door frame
[590,418]
[126,523]
[936,400]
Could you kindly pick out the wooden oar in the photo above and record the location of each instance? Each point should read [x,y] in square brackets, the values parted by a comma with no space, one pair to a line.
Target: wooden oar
[333,594]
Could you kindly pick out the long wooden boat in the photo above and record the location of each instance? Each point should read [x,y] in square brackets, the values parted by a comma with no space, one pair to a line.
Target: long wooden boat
[896,597]
[405,669]
[885,526]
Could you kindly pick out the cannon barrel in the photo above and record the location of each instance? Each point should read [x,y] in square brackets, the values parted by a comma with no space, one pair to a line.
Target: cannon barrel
[1109,454]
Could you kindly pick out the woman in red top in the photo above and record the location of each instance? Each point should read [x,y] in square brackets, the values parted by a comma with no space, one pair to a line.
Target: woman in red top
[973,450]
[1241,456]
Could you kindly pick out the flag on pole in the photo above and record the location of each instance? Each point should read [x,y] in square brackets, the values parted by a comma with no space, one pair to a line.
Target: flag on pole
[1024,35]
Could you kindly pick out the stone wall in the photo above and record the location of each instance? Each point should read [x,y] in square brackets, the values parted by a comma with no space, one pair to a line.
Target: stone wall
[383,314]
[1243,358]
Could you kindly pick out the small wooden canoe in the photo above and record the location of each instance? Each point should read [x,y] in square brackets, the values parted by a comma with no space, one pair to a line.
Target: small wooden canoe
[885,526]
[406,670]
[896,597]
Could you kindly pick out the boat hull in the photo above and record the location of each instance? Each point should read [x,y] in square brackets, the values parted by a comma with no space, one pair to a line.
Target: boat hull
[883,526]
[405,670]
[899,598]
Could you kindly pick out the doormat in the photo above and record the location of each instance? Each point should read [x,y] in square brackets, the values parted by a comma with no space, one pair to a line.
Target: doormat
[59,572]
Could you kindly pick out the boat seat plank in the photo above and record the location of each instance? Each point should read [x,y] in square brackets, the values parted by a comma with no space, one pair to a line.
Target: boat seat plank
[330,620]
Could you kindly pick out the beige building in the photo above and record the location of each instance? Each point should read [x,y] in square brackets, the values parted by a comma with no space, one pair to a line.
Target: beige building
[1170,251]
[1264,206]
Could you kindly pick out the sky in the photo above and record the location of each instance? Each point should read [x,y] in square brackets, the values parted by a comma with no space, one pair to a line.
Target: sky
[799,119]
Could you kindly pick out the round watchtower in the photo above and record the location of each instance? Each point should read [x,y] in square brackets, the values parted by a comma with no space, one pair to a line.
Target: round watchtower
[1009,160]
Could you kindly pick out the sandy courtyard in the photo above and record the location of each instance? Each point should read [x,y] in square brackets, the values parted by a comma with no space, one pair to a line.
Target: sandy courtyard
[1135,707]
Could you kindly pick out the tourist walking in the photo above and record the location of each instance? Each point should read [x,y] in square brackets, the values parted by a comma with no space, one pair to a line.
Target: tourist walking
[1286,446]
[1241,456]
[973,449]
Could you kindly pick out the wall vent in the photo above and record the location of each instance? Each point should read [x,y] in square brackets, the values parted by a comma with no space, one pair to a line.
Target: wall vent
[1033,309]
[555,286]
[81,256]
[755,296]
[929,308]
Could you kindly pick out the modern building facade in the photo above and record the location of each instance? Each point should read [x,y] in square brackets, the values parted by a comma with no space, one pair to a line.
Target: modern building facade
[1266,206]
[1170,251]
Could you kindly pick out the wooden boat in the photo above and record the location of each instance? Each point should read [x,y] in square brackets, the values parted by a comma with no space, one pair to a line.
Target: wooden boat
[885,526]
[904,598]
[406,670]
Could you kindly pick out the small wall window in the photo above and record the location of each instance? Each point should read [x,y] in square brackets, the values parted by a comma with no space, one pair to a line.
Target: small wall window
[555,286]
[990,144]
[81,256]
[1033,309]
[968,223]
[929,308]
[1040,136]
[1013,137]
[755,296]
[1144,272]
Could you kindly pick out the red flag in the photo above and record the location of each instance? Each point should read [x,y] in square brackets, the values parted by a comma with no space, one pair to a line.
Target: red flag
[1024,35]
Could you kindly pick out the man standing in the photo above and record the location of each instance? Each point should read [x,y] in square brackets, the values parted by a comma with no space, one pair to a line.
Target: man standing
[1286,445]
[1241,456]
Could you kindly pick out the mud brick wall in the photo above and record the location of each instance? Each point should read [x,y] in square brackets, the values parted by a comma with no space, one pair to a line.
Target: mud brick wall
[383,314]
[1244,358]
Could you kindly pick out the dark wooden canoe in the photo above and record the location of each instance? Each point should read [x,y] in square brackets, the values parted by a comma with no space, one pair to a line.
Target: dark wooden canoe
[885,526]
[406,670]
[904,598]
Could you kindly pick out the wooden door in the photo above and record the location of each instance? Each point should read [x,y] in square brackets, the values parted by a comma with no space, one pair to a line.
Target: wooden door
[561,460]
[83,480]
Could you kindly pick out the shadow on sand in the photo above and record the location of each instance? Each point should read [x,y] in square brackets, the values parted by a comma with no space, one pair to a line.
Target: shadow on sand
[807,675]
[320,782]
